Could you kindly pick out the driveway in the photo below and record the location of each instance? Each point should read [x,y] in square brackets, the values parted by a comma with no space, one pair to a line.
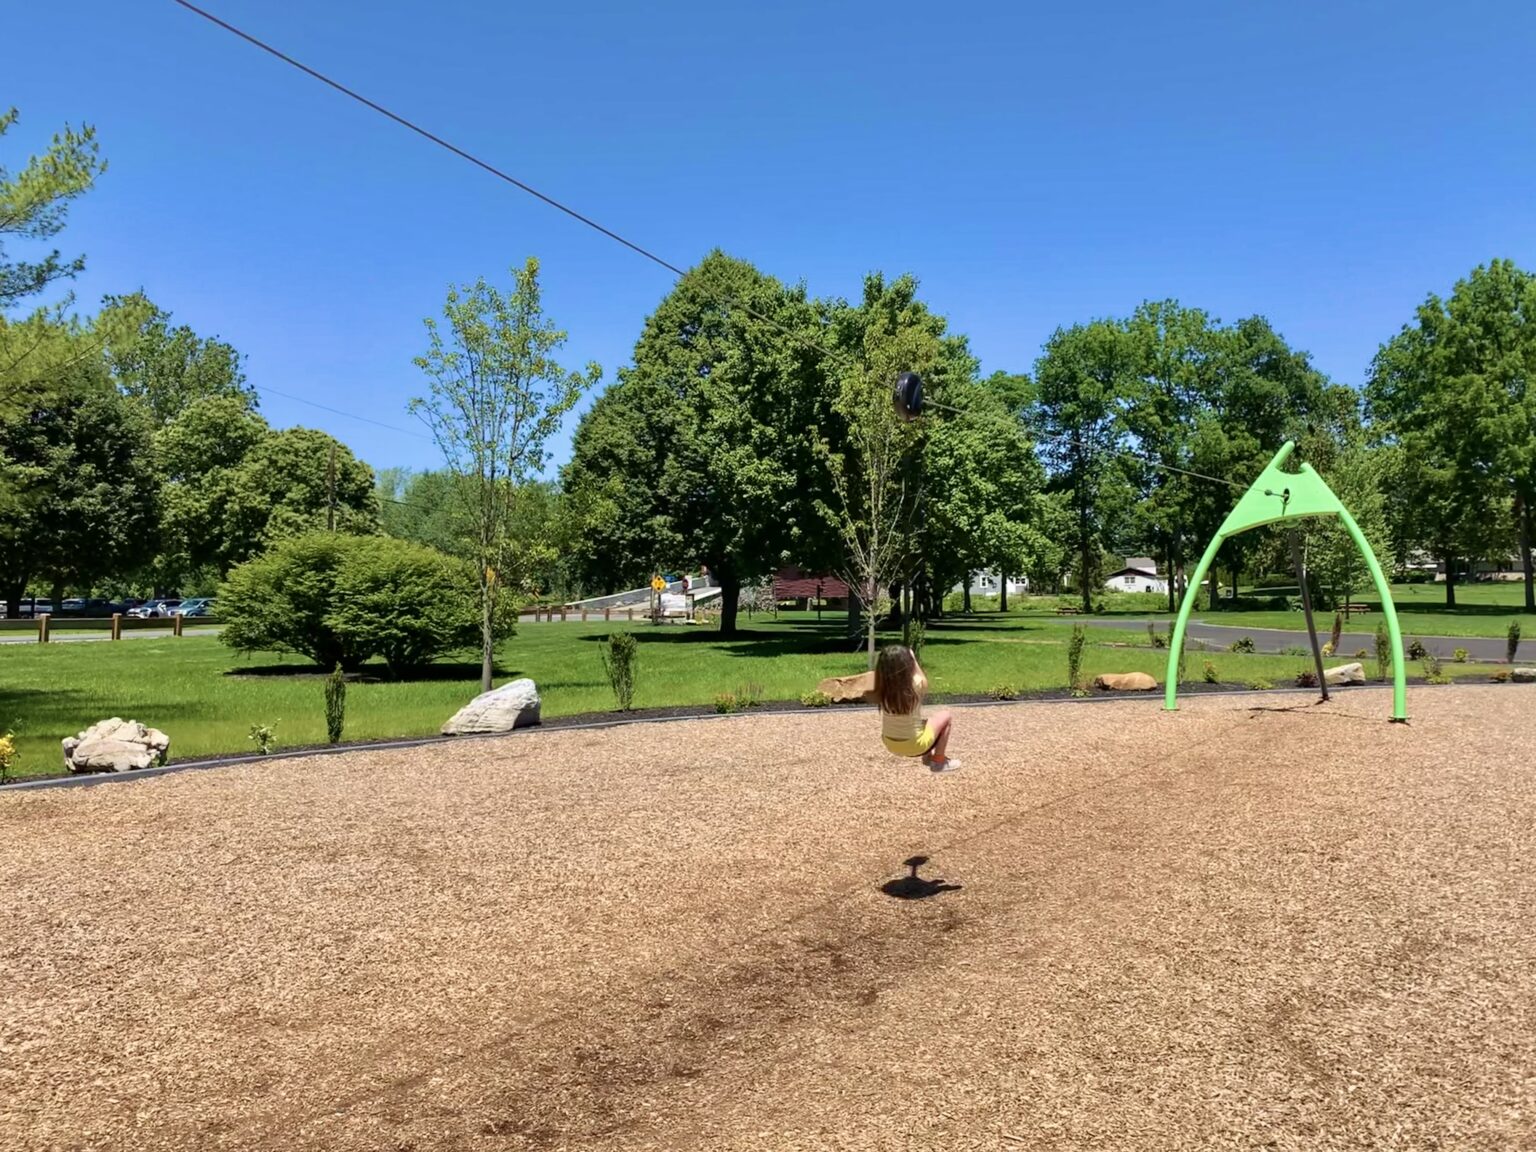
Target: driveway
[1480,648]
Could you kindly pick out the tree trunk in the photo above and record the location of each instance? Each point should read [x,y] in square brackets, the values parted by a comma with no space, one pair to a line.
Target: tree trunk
[730,596]
[1450,581]
[13,594]
[1525,553]
[1002,592]
[1087,570]
[965,596]
[56,595]
[871,602]
[487,634]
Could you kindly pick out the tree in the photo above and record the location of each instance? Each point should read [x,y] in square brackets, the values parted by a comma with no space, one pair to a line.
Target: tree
[85,494]
[1452,391]
[1085,379]
[871,453]
[1357,478]
[34,204]
[169,368]
[293,481]
[496,397]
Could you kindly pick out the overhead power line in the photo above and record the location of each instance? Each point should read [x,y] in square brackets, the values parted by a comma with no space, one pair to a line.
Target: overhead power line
[339,412]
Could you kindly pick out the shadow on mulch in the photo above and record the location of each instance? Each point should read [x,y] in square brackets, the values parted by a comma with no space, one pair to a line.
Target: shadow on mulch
[915,887]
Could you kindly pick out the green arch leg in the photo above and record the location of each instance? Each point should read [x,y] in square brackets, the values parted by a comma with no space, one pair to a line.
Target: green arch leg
[1399,676]
[1176,643]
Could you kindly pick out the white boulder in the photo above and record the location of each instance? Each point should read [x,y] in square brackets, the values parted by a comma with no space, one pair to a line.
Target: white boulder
[1346,674]
[115,745]
[513,705]
[1523,675]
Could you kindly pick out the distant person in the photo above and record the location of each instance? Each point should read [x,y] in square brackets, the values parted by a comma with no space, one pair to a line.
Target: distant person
[900,688]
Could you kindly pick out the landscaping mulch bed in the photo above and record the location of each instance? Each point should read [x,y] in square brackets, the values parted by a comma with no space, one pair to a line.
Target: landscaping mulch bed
[1251,923]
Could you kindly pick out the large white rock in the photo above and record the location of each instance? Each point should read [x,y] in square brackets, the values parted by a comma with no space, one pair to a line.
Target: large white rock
[115,745]
[1523,675]
[1346,674]
[513,705]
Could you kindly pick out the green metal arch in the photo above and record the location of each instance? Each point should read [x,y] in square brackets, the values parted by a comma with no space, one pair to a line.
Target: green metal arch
[1276,497]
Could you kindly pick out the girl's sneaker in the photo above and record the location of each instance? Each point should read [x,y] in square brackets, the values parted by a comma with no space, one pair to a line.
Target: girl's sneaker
[948,764]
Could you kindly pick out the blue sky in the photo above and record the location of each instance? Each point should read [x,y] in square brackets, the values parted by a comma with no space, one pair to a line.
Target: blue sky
[1326,164]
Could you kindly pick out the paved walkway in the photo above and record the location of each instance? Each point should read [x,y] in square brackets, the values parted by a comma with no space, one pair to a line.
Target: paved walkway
[1481,648]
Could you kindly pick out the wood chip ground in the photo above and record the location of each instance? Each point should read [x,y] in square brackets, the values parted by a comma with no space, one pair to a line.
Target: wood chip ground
[1233,927]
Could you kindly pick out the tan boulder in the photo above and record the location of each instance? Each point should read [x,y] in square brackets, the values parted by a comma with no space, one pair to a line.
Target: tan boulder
[1125,682]
[846,689]
[1346,674]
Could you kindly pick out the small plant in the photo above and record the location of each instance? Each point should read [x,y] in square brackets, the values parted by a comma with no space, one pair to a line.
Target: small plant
[1512,641]
[1260,685]
[1243,645]
[914,634]
[1500,677]
[1416,650]
[1306,678]
[1003,691]
[1075,656]
[621,660]
[726,702]
[1383,650]
[1362,654]
[335,705]
[1209,673]
[1152,634]
[816,699]
[1434,673]
[265,739]
[1328,648]
[749,695]
[8,756]
[1293,650]
[1460,655]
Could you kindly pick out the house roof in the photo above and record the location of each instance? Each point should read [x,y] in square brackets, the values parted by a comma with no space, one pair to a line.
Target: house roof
[1150,575]
[1141,564]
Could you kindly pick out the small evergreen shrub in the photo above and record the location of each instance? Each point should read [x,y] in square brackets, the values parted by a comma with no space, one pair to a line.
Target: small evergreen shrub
[726,702]
[1003,691]
[1306,678]
[8,756]
[1209,673]
[1460,655]
[1500,677]
[815,700]
[621,663]
[1075,656]
[1416,650]
[1244,645]
[1260,685]
[335,705]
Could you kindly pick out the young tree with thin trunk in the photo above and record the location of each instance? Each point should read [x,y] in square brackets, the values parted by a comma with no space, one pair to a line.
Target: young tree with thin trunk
[497,396]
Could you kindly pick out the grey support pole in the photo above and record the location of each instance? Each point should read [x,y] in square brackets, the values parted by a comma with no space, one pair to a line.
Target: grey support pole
[1306,607]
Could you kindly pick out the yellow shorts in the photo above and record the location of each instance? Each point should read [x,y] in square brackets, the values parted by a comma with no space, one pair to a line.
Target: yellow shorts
[917,746]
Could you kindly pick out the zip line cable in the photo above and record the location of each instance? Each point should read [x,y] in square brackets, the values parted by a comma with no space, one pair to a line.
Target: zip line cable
[486,166]
[500,174]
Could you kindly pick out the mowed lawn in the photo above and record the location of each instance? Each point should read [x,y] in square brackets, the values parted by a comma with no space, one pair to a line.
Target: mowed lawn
[207,697]
[1481,610]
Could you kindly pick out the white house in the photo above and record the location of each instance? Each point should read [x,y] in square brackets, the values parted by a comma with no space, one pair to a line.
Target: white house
[1138,575]
[989,583]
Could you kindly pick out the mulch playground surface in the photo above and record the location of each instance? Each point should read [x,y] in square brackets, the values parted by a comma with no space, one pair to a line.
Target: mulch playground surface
[1255,923]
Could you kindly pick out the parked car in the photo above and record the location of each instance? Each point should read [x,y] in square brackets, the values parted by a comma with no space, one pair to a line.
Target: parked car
[154,609]
[83,606]
[196,606]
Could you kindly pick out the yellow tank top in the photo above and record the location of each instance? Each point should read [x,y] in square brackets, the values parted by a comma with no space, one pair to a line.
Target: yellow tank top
[905,725]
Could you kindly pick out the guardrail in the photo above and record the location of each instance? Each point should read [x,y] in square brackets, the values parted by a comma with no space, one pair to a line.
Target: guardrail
[46,625]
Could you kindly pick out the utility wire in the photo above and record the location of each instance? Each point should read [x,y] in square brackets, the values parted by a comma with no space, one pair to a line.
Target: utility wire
[339,412]
[486,166]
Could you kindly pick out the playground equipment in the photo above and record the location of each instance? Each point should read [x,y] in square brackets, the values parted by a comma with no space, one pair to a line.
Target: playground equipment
[1278,497]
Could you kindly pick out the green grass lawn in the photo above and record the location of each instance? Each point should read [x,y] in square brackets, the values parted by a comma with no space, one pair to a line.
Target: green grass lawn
[208,697]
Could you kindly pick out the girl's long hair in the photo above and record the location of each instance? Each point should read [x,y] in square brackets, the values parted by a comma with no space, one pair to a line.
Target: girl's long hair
[895,683]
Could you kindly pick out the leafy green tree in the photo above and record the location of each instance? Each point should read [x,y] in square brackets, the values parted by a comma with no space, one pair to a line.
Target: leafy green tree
[496,397]
[293,481]
[1086,380]
[84,497]
[704,450]
[1452,392]
[1358,477]
[34,204]
[169,368]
